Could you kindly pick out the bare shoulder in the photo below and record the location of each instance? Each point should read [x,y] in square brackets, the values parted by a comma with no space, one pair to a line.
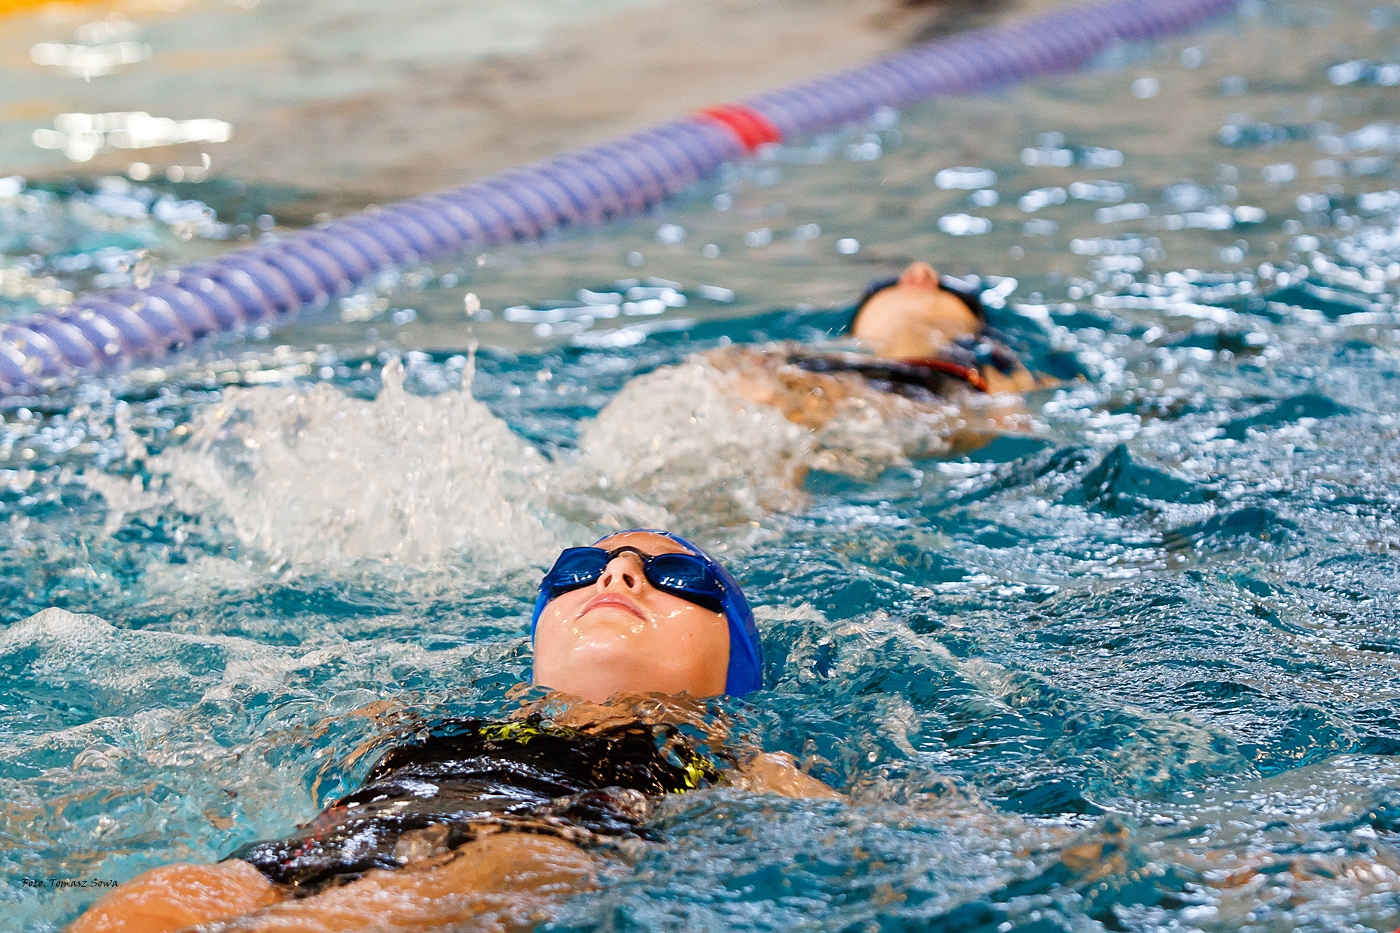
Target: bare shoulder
[767,375]
[778,773]
[176,896]
[501,881]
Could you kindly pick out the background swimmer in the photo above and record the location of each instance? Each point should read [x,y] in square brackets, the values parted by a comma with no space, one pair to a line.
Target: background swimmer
[919,318]
[489,822]
[744,425]
[914,316]
[920,336]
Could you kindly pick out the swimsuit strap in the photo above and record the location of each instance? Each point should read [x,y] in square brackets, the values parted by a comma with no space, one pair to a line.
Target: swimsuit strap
[929,374]
[967,374]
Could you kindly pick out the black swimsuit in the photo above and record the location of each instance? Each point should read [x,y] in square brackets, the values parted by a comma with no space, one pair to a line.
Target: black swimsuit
[473,777]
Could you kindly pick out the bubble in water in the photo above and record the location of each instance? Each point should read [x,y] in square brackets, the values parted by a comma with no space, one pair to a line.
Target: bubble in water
[1032,201]
[1120,212]
[1047,156]
[1279,174]
[1109,192]
[670,234]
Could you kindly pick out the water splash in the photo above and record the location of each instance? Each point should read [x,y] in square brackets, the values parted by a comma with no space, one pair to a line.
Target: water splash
[684,438]
[313,477]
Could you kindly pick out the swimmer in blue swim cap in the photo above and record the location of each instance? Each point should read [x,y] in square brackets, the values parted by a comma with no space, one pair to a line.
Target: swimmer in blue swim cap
[488,823]
[644,611]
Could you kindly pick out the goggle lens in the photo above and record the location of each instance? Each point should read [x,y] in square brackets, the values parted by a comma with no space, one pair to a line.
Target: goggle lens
[576,566]
[683,575]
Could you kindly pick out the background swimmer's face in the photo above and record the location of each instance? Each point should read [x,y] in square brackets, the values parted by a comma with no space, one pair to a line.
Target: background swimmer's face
[620,633]
[914,318]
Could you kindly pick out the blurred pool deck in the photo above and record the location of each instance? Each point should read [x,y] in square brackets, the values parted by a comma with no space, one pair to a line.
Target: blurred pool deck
[331,105]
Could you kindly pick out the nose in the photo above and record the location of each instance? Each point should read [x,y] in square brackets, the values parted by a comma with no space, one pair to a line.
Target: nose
[920,275]
[624,572]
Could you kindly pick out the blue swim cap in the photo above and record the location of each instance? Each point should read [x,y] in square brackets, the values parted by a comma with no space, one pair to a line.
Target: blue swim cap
[745,650]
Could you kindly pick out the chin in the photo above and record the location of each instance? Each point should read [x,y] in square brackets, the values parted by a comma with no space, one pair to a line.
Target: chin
[596,673]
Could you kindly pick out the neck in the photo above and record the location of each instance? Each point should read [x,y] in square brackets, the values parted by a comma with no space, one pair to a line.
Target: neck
[655,709]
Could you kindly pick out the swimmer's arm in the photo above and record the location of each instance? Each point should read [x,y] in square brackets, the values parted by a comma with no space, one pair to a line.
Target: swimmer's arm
[508,881]
[777,773]
[174,897]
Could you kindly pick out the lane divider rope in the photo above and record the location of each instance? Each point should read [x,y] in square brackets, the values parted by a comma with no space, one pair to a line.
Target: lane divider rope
[268,283]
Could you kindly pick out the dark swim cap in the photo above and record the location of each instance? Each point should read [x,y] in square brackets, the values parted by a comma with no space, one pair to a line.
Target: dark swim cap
[745,649]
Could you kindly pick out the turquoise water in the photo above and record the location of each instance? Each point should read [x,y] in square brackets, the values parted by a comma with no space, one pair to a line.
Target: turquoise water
[1131,667]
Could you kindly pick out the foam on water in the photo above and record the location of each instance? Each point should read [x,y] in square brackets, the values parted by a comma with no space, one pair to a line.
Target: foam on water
[313,478]
[684,439]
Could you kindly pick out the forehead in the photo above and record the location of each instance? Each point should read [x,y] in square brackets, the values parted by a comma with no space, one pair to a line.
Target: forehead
[645,541]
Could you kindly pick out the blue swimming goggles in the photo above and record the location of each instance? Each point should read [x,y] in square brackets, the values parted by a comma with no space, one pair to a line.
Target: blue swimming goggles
[685,575]
[694,576]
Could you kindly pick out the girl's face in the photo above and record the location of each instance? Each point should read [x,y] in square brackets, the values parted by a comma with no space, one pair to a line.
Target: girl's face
[916,318]
[621,634]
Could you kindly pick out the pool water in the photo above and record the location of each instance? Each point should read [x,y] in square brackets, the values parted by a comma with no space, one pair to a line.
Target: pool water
[190,59]
[1130,665]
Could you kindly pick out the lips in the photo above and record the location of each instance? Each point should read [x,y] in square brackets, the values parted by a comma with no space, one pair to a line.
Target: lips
[613,599]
